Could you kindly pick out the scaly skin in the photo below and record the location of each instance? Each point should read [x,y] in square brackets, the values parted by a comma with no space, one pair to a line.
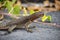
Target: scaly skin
[22,21]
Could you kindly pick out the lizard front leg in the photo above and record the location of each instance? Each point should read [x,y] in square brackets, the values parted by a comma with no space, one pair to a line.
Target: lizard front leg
[10,29]
[27,26]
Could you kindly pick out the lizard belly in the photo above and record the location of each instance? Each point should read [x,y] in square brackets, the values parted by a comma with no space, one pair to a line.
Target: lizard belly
[20,26]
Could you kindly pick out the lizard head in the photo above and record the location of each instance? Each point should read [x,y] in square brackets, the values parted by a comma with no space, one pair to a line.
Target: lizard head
[40,14]
[36,15]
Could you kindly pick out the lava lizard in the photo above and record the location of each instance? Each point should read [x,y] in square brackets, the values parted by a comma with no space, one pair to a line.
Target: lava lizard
[25,20]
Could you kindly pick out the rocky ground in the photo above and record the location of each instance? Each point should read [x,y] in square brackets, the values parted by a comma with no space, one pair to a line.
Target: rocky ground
[43,32]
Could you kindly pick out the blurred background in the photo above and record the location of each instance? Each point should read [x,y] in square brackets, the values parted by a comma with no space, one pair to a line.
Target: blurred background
[43,32]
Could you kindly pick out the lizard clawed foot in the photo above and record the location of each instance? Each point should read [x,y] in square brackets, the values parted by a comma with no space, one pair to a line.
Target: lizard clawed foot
[32,27]
[7,33]
[10,30]
[29,30]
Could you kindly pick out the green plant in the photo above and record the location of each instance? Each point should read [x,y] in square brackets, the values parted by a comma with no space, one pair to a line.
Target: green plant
[12,9]
[45,17]
[32,11]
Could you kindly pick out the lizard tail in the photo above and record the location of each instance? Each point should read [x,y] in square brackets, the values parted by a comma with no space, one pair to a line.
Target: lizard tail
[1,28]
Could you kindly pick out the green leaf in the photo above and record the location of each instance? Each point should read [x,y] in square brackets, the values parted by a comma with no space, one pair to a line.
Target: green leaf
[8,5]
[44,18]
[16,10]
[13,1]
[49,18]
[13,10]
[32,12]
[25,11]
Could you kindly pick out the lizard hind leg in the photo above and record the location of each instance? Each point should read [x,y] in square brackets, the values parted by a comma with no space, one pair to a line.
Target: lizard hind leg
[27,27]
[10,29]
